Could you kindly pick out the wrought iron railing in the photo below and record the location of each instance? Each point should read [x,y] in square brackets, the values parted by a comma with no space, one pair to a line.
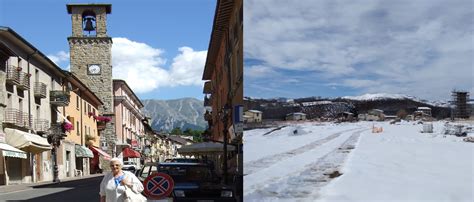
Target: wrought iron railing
[17,117]
[13,76]
[24,81]
[41,125]
[40,90]
[59,97]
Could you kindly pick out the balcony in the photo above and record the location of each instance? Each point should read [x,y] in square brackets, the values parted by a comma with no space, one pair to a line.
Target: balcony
[13,76]
[59,98]
[40,90]
[207,87]
[24,81]
[41,125]
[17,118]
[207,101]
[57,129]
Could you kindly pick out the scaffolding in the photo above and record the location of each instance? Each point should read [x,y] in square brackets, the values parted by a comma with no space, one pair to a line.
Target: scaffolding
[460,99]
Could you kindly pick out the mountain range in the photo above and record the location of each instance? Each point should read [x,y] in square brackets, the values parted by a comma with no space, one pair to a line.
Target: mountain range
[168,114]
[330,107]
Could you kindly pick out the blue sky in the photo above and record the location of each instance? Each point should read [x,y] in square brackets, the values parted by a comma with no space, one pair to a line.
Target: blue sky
[159,47]
[332,48]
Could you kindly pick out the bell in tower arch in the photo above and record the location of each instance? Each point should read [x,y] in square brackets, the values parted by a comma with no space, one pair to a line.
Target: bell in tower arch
[88,24]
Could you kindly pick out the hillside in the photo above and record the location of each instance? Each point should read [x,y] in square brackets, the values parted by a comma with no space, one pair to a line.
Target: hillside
[168,114]
[316,107]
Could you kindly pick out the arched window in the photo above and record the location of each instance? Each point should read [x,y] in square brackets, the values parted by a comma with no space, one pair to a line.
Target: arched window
[89,23]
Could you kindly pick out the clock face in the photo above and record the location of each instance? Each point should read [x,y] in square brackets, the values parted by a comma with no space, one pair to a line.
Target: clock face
[94,69]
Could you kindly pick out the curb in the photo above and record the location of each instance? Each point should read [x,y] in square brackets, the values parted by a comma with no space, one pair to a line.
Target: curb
[7,189]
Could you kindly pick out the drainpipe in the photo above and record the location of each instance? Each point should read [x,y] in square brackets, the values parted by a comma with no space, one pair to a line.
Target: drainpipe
[81,108]
[33,162]
[28,57]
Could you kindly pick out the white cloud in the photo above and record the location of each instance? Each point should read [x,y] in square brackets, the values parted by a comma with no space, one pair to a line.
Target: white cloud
[60,58]
[188,67]
[258,71]
[405,46]
[141,66]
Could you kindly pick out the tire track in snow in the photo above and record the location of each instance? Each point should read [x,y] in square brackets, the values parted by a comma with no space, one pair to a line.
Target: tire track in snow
[256,165]
[306,184]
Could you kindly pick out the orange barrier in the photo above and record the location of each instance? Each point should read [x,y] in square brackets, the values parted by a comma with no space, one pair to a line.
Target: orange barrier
[377,129]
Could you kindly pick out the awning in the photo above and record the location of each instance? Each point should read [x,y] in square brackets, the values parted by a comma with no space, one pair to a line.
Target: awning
[100,152]
[130,153]
[204,148]
[26,141]
[11,151]
[83,152]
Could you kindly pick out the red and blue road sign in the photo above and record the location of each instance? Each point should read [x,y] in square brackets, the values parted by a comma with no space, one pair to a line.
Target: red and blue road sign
[158,185]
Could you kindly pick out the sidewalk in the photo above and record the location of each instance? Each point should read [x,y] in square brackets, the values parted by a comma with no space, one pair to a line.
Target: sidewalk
[20,187]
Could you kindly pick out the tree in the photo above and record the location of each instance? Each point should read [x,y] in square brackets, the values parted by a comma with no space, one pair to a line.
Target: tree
[402,114]
[176,131]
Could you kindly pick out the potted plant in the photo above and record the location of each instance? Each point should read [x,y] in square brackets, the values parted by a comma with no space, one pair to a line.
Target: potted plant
[67,127]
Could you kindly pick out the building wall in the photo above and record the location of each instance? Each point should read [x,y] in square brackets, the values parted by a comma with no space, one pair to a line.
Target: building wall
[78,113]
[95,50]
[38,109]
[227,76]
[129,125]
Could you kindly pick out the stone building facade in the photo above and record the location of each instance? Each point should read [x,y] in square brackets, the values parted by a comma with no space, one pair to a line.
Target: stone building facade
[91,61]
[223,73]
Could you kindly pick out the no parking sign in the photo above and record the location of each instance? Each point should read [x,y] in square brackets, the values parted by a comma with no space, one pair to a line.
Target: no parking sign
[158,185]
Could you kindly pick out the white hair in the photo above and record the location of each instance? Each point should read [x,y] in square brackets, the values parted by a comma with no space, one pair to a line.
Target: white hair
[117,160]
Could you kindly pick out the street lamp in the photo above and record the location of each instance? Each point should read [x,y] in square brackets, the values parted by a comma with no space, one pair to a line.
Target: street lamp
[56,133]
[224,116]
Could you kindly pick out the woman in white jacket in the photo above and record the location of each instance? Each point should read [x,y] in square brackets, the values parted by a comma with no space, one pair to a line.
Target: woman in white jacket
[113,185]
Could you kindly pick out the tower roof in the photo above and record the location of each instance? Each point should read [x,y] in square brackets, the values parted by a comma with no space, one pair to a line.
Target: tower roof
[108,7]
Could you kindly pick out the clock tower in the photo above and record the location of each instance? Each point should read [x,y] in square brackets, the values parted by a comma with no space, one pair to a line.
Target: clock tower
[91,60]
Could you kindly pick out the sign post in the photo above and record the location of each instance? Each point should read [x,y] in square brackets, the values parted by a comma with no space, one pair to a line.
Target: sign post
[158,186]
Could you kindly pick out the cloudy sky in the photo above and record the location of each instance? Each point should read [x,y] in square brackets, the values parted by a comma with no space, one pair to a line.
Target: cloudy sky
[335,48]
[159,47]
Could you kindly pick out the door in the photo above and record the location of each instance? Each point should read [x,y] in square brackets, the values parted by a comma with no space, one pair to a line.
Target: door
[14,170]
[38,162]
[68,163]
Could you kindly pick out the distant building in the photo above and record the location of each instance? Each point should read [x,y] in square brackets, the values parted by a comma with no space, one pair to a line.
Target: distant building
[297,116]
[253,116]
[425,110]
[375,115]
[460,99]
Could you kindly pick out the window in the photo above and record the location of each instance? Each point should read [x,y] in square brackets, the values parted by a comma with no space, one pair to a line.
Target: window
[85,108]
[85,129]
[93,111]
[78,129]
[52,83]
[37,75]
[19,62]
[77,102]
[20,104]
[9,100]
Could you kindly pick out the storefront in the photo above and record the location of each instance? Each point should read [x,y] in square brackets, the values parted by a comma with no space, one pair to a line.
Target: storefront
[10,155]
[82,160]
[95,165]
[24,168]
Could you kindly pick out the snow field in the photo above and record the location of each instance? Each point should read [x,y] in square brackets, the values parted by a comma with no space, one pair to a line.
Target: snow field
[399,164]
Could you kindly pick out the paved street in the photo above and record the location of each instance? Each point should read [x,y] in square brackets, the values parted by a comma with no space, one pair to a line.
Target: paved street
[77,190]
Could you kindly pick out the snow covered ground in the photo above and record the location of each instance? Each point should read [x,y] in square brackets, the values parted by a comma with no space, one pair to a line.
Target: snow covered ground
[399,164]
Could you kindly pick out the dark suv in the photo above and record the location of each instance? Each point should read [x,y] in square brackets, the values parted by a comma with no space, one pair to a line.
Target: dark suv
[192,181]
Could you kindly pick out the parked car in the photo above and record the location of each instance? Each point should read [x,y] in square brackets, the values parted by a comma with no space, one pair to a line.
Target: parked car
[183,160]
[192,181]
[130,166]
